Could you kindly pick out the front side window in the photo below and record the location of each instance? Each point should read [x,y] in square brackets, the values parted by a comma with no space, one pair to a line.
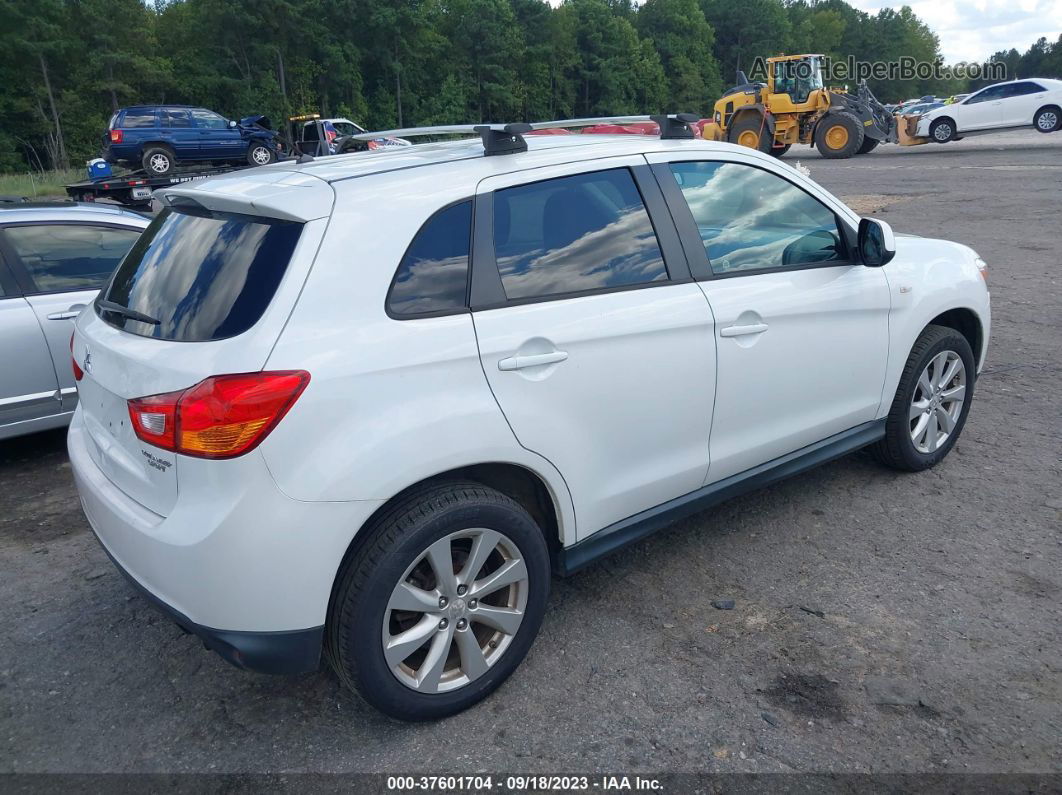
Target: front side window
[751,220]
[433,275]
[574,234]
[139,117]
[202,275]
[208,119]
[69,256]
[992,92]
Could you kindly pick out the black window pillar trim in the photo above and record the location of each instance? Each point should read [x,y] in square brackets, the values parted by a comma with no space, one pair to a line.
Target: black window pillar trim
[684,222]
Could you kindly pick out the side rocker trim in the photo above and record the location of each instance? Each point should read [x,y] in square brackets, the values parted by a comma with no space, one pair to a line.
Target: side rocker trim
[620,534]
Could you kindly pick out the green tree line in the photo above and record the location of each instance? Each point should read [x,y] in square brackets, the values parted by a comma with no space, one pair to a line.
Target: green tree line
[67,65]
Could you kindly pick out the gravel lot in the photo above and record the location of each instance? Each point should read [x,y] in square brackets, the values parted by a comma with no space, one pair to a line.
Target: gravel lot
[883,622]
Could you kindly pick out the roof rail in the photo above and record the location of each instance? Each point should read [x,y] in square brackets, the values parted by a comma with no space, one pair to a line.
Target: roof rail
[500,139]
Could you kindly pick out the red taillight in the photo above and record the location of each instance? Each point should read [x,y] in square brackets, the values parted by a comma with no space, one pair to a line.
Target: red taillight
[221,417]
[116,136]
[78,372]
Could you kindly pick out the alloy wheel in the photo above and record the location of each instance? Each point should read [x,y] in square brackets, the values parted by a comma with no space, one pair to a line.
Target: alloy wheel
[942,132]
[260,155]
[159,163]
[1047,121]
[937,402]
[455,610]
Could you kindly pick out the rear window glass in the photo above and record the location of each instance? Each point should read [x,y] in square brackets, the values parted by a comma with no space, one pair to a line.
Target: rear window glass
[202,275]
[138,118]
[434,272]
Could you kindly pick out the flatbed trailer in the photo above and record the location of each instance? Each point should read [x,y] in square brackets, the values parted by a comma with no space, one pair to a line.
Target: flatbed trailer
[134,189]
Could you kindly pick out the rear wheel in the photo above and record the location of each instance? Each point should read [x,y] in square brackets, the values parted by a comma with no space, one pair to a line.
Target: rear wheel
[158,161]
[751,131]
[1047,119]
[441,603]
[931,403]
[869,144]
[839,135]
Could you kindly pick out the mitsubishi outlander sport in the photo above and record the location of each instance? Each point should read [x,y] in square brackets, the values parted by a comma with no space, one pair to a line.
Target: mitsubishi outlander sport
[361,409]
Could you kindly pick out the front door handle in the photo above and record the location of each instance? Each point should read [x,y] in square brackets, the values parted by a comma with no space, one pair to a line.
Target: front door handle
[740,331]
[72,312]
[532,360]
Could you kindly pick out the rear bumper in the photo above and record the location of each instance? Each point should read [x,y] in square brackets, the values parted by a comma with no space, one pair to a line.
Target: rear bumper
[295,652]
[235,561]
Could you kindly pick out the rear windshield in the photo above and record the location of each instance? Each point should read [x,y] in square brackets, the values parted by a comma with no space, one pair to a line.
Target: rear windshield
[203,275]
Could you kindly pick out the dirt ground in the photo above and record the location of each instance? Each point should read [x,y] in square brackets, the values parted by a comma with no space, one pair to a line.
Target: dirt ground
[882,621]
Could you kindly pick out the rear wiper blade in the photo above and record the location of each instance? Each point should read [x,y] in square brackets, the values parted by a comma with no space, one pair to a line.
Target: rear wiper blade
[124,311]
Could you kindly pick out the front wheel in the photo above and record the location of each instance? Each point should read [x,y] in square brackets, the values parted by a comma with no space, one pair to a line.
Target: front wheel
[839,135]
[259,154]
[751,131]
[931,403]
[441,603]
[942,131]
[778,151]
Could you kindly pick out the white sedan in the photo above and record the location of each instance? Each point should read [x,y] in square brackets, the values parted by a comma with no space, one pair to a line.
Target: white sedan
[1019,103]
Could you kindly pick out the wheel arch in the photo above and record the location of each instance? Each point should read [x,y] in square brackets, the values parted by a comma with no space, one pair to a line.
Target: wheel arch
[159,144]
[1049,106]
[951,119]
[966,322]
[527,488]
[758,111]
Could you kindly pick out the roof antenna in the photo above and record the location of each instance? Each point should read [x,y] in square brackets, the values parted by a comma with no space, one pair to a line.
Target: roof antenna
[506,140]
[676,126]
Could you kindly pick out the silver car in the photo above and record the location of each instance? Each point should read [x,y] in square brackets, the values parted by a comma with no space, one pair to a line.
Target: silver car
[53,260]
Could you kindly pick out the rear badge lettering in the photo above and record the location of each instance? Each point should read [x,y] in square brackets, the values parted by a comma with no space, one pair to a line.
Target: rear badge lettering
[161,464]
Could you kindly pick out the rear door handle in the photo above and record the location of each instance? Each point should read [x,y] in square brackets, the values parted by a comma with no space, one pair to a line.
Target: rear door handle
[532,360]
[72,312]
[740,331]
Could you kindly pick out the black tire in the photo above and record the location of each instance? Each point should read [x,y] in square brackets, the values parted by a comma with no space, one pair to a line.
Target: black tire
[869,145]
[942,130]
[897,449]
[260,153]
[158,161]
[368,577]
[853,135]
[778,151]
[1048,119]
[748,125]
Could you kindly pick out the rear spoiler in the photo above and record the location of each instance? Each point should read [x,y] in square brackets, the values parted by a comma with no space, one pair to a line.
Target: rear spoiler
[257,192]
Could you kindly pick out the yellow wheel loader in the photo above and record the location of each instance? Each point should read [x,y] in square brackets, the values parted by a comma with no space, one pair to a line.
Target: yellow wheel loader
[795,107]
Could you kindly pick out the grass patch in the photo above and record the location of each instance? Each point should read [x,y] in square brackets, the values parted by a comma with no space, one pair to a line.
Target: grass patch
[38,185]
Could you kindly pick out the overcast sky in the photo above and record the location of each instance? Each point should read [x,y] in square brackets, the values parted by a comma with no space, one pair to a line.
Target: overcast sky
[971,30]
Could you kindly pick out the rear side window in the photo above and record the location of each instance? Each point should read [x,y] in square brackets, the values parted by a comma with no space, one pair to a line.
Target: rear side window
[69,256]
[175,118]
[138,118]
[433,275]
[574,234]
[202,275]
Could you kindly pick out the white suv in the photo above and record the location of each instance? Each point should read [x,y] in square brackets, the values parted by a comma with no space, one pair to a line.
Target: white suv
[367,405]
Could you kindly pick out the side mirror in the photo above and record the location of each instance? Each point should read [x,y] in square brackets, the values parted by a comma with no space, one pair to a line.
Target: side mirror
[877,243]
[232,125]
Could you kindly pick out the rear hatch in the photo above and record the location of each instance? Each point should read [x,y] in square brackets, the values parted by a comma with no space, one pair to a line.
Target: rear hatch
[220,277]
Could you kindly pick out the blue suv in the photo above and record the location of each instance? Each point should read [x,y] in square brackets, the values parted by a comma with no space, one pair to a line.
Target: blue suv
[158,137]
